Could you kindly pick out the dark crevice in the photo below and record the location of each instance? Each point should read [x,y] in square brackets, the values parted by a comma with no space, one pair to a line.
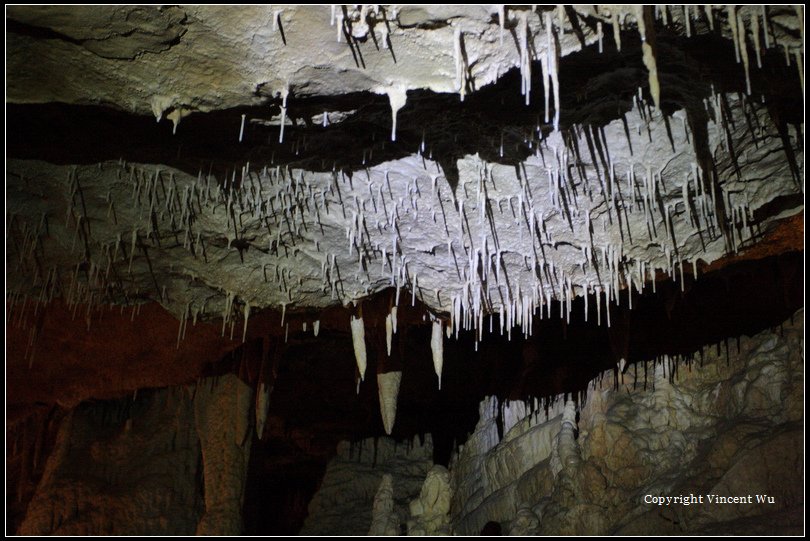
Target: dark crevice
[37,32]
[98,46]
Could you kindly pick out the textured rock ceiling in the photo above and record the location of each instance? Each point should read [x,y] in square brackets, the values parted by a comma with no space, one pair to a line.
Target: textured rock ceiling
[481,159]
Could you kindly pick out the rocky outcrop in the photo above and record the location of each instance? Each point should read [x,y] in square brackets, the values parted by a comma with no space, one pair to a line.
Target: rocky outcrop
[726,424]
[166,462]
[384,520]
[430,512]
[368,488]
[221,416]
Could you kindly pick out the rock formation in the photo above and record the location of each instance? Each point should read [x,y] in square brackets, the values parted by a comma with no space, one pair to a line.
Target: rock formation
[703,428]
[133,466]
[531,223]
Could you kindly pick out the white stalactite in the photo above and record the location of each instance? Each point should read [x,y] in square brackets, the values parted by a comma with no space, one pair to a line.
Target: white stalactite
[648,57]
[359,343]
[553,69]
[177,114]
[384,35]
[284,93]
[461,74]
[389,329]
[755,35]
[545,77]
[732,19]
[241,129]
[437,347]
[316,327]
[247,315]
[525,57]
[388,390]
[744,52]
[765,27]
[397,97]
[132,249]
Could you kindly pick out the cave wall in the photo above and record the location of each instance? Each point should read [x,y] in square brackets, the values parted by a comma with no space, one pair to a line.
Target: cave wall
[171,461]
[728,423]
[343,504]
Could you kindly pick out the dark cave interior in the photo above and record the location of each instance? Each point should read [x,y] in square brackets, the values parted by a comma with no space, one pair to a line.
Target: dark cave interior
[313,403]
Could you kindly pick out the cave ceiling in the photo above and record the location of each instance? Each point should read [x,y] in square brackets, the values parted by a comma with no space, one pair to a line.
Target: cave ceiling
[481,159]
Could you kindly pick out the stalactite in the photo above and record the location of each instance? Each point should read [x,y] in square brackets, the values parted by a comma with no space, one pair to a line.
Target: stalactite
[397,96]
[284,93]
[546,87]
[648,51]
[388,390]
[437,348]
[389,329]
[744,52]
[384,35]
[553,68]
[247,315]
[525,58]
[359,343]
[461,73]
[755,35]
[765,26]
[735,37]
